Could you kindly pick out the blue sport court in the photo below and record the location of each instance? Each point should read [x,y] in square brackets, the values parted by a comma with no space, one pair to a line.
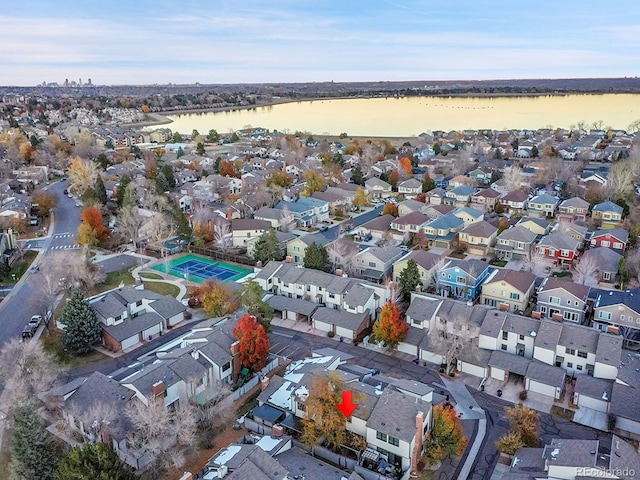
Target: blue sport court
[200,269]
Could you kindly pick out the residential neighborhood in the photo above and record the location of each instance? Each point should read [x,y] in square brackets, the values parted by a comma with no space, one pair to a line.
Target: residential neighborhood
[236,286]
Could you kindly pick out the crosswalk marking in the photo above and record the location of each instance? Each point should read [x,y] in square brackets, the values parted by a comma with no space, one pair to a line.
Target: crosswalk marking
[64,247]
[64,235]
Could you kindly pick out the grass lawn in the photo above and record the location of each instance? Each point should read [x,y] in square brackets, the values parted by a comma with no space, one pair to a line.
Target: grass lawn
[52,344]
[162,288]
[457,255]
[5,459]
[20,267]
[114,279]
[499,263]
[561,412]
[151,276]
[564,273]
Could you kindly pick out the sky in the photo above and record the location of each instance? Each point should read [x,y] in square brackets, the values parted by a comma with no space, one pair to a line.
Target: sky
[250,41]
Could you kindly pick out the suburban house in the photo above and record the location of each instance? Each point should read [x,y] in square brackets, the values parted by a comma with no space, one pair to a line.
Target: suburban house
[579,232]
[515,243]
[443,231]
[307,211]
[559,299]
[377,227]
[481,175]
[485,199]
[614,238]
[559,247]
[243,230]
[283,239]
[276,217]
[459,196]
[377,188]
[436,196]
[478,238]
[410,188]
[616,309]
[7,246]
[409,206]
[409,224]
[130,316]
[376,263]
[605,261]
[468,215]
[425,261]
[297,247]
[515,201]
[576,459]
[508,290]
[543,205]
[573,209]
[462,278]
[609,214]
[539,226]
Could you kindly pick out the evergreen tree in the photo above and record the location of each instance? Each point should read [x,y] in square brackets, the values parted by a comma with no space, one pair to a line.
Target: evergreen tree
[184,230]
[103,161]
[384,177]
[534,152]
[428,183]
[251,297]
[101,192]
[213,135]
[267,247]
[356,175]
[409,280]
[82,328]
[200,149]
[95,462]
[167,171]
[316,257]
[33,453]
[180,152]
[216,165]
[125,180]
[177,138]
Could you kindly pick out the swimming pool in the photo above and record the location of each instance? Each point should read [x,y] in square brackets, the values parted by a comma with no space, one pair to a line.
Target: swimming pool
[200,269]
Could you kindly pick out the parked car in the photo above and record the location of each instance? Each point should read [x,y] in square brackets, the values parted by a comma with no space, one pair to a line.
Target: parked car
[34,269]
[65,191]
[323,228]
[31,328]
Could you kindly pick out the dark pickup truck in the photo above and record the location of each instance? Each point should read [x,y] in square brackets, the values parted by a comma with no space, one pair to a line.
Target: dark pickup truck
[30,328]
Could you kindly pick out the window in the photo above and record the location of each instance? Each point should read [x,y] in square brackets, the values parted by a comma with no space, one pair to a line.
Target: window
[604,315]
[503,293]
[605,243]
[505,335]
[394,441]
[332,295]
[582,354]
[521,337]
[381,436]
[579,367]
[617,245]
[565,253]
[570,351]
[301,406]
[372,264]
[285,285]
[503,347]
[226,366]
[606,275]
[296,249]
[621,317]
[554,300]
[543,309]
[118,318]
[416,322]
[138,303]
[515,296]
[569,365]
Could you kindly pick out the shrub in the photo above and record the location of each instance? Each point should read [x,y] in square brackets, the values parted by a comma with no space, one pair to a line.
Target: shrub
[523,395]
[611,421]
[331,334]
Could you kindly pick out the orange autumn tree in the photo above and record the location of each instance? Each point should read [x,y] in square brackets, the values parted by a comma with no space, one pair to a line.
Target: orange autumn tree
[404,167]
[390,328]
[390,209]
[227,169]
[253,343]
[446,438]
[215,298]
[92,231]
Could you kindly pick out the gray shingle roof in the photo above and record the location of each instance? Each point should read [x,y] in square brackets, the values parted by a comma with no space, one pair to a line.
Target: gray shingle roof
[579,337]
[98,388]
[511,363]
[547,374]
[358,296]
[297,305]
[518,234]
[395,414]
[548,335]
[422,308]
[571,453]
[480,229]
[144,379]
[559,241]
[133,326]
[609,349]
[340,318]
[522,281]
[625,402]
[593,387]
[167,306]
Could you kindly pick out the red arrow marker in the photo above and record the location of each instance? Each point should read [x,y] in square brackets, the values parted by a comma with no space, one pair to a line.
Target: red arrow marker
[347,406]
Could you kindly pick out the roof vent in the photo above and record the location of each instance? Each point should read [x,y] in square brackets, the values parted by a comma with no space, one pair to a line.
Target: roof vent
[534,334]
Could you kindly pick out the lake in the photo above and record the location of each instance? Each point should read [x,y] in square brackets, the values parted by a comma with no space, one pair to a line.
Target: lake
[408,117]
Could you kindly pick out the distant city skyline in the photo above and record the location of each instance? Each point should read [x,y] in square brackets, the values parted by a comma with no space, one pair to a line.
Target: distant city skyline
[196,41]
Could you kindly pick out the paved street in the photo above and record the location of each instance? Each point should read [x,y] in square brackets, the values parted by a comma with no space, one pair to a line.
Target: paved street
[26,299]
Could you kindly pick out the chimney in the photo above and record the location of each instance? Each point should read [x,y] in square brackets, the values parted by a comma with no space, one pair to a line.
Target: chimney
[339,272]
[417,449]
[229,216]
[264,383]
[289,259]
[158,389]
[259,264]
[277,430]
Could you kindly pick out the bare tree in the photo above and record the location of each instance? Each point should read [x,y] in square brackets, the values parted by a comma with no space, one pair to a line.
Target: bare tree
[53,270]
[98,419]
[585,272]
[342,253]
[433,276]
[513,177]
[26,371]
[535,263]
[130,222]
[222,234]
[286,219]
[620,181]
[451,335]
[163,434]
[158,227]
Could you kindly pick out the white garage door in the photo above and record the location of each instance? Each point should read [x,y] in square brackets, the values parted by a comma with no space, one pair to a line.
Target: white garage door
[408,348]
[344,332]
[431,357]
[497,373]
[541,388]
[472,369]
[323,327]
[150,332]
[290,315]
[129,342]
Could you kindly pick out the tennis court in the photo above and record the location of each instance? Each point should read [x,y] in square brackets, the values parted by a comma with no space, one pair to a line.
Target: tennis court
[200,269]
